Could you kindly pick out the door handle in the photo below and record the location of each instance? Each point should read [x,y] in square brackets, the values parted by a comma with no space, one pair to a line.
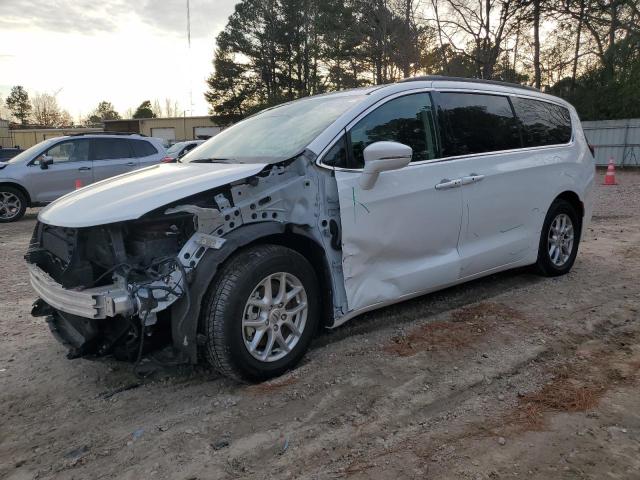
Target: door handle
[471,178]
[84,169]
[445,184]
[131,164]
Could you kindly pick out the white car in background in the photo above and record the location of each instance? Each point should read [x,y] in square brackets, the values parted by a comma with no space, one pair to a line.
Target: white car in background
[311,213]
[178,150]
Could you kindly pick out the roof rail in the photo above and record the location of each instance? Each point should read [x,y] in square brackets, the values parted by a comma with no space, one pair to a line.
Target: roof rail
[435,78]
[105,133]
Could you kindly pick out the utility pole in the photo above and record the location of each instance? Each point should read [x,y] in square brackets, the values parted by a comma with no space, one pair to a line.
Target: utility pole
[189,58]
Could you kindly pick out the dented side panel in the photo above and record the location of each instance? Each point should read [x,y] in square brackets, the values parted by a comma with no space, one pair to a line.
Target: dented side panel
[304,197]
[401,236]
[297,195]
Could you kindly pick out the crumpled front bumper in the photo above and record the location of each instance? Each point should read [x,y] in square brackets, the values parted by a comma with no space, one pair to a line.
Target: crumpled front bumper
[94,303]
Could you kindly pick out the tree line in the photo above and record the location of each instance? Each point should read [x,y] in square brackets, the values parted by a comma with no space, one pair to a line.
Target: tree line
[43,110]
[273,51]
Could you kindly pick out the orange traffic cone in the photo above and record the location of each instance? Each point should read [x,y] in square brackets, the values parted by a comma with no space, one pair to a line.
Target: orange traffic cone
[610,177]
[78,183]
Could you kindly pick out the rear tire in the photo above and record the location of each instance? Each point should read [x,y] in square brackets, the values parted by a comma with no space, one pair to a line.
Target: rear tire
[256,329]
[13,204]
[559,239]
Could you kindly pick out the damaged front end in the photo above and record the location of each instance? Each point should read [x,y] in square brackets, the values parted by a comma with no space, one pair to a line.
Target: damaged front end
[134,286]
[104,288]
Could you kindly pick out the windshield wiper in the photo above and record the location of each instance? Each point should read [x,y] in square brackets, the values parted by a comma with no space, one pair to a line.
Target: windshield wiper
[212,160]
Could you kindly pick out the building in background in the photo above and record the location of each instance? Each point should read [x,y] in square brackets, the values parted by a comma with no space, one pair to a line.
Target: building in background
[5,137]
[170,129]
[28,137]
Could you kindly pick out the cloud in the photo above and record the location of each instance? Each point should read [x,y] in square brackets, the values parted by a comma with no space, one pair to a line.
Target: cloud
[64,16]
[207,16]
[88,16]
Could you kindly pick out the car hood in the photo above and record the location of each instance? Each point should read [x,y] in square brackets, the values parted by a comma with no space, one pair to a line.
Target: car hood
[129,196]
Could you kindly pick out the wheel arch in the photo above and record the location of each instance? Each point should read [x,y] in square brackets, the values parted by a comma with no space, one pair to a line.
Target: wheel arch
[574,200]
[542,264]
[186,314]
[18,187]
[309,248]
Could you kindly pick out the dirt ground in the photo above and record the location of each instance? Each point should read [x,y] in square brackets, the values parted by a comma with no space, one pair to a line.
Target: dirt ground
[511,376]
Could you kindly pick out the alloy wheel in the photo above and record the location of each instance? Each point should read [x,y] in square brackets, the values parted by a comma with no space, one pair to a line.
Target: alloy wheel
[10,205]
[560,239]
[274,316]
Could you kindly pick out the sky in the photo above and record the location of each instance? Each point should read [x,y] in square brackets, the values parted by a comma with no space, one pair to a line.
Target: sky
[120,51]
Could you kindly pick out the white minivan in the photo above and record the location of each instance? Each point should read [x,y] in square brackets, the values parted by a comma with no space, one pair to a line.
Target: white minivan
[310,213]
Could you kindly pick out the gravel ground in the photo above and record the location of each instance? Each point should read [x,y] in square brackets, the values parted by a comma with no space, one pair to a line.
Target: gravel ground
[509,376]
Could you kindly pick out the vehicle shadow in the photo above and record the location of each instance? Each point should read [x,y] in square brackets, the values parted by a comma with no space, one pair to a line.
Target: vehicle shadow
[430,304]
[397,315]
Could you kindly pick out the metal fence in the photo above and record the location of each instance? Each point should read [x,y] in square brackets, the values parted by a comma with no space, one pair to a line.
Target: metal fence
[617,139]
[6,142]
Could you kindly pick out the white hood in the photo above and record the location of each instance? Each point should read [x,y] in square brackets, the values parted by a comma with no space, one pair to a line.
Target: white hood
[129,196]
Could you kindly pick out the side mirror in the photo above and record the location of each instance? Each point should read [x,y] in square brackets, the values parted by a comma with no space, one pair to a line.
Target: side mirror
[380,157]
[45,161]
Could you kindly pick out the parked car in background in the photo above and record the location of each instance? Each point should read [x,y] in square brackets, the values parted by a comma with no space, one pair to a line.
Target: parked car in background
[311,213]
[8,153]
[56,166]
[180,149]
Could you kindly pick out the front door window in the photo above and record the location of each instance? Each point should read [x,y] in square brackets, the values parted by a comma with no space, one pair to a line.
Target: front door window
[407,120]
[69,151]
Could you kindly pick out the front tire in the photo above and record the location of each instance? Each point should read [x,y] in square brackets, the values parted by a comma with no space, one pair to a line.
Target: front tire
[559,239]
[13,204]
[261,313]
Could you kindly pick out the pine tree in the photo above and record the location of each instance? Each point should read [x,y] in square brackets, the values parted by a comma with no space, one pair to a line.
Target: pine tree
[18,104]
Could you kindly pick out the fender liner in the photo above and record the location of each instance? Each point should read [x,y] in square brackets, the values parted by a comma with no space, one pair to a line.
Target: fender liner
[185,314]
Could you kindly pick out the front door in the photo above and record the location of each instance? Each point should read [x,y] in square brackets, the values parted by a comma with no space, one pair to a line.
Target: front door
[400,237]
[70,169]
[111,157]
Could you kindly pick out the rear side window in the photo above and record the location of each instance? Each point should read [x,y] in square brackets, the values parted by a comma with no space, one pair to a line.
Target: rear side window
[476,123]
[110,148]
[406,120]
[142,148]
[542,123]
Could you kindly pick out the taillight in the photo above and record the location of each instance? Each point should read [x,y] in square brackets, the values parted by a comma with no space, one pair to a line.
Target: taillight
[168,160]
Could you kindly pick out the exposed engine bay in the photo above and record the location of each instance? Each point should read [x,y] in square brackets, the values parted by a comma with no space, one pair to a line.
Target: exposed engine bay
[131,287]
[138,259]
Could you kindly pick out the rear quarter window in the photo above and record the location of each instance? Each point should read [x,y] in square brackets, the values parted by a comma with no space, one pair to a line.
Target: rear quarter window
[542,123]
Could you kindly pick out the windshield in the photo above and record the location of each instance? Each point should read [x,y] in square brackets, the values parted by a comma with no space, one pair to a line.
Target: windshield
[275,134]
[29,153]
[175,148]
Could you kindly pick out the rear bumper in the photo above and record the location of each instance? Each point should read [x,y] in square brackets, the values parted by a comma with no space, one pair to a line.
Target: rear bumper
[94,303]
